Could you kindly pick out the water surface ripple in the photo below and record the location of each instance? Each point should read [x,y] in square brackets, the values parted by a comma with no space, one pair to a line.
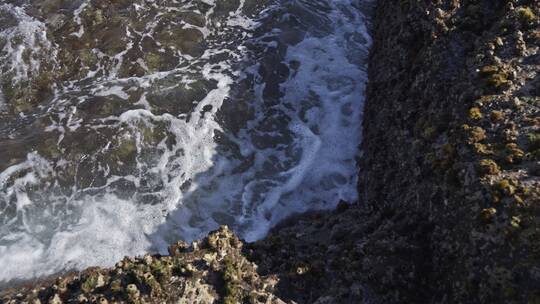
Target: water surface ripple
[127,125]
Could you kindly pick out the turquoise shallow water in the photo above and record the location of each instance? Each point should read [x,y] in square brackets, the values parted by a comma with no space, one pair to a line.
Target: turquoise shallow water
[125,127]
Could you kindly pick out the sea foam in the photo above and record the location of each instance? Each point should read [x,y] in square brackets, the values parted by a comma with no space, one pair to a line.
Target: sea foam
[276,133]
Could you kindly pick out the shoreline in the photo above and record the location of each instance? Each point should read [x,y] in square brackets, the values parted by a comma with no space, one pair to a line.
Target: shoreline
[448,179]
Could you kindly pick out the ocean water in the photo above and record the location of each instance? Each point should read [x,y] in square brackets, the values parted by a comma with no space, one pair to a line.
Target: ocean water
[127,126]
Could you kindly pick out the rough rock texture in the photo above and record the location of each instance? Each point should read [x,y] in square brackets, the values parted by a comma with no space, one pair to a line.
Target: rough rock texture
[449,179]
[205,272]
[450,206]
[451,148]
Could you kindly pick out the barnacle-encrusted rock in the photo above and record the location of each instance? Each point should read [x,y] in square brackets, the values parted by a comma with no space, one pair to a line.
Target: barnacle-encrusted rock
[496,116]
[230,278]
[93,281]
[475,113]
[488,214]
[488,166]
[454,62]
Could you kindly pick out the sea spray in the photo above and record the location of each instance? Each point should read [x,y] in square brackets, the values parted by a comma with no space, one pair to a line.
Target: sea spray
[178,118]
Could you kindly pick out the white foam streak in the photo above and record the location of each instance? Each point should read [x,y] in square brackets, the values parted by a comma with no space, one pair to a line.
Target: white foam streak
[190,172]
[29,36]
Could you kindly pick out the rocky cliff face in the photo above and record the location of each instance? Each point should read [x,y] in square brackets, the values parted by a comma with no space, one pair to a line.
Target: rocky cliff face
[449,176]
[451,147]
[449,182]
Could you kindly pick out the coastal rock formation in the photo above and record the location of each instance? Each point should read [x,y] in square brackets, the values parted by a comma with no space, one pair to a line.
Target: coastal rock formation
[449,211]
[211,270]
[451,149]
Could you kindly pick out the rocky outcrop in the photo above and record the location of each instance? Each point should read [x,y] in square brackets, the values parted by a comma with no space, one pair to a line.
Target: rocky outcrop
[449,181]
[211,270]
[451,151]
[449,174]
